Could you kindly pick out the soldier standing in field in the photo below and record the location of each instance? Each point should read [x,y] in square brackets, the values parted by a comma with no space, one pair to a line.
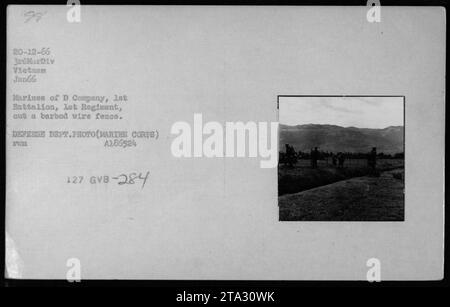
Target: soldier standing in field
[372,160]
[341,159]
[334,159]
[291,155]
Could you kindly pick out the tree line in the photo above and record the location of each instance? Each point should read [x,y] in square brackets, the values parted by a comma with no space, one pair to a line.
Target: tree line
[290,156]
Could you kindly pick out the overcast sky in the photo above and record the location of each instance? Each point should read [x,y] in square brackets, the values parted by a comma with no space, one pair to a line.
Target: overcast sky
[361,112]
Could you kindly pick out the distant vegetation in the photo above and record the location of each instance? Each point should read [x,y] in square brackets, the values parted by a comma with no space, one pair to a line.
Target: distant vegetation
[326,155]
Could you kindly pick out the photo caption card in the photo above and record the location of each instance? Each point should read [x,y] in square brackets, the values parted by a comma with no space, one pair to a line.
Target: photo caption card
[242,143]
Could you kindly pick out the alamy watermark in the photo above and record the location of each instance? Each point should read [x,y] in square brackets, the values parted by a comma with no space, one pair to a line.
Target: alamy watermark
[374,12]
[73,273]
[374,272]
[234,139]
[74,12]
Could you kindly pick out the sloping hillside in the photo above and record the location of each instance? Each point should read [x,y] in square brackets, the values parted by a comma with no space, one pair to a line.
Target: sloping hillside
[345,139]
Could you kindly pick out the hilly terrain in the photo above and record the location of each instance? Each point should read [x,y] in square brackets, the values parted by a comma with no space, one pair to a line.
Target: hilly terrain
[342,139]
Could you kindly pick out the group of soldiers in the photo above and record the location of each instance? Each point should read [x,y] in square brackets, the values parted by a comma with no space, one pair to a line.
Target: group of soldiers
[338,160]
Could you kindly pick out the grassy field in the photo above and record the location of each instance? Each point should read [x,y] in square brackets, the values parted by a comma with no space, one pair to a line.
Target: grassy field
[302,177]
[367,198]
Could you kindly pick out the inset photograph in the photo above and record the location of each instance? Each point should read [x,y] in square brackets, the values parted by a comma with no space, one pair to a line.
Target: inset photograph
[341,158]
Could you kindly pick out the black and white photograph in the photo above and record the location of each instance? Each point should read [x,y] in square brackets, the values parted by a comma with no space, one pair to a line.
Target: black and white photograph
[341,158]
[223,144]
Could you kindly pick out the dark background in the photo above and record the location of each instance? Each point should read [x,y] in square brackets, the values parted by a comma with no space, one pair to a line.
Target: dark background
[166,290]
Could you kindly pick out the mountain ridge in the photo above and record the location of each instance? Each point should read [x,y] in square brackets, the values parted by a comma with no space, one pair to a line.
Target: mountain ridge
[345,139]
[329,125]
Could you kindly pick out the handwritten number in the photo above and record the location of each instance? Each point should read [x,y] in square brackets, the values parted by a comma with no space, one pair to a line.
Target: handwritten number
[131,178]
[32,14]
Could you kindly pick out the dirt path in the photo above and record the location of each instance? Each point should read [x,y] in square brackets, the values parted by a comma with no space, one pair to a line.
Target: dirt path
[357,199]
